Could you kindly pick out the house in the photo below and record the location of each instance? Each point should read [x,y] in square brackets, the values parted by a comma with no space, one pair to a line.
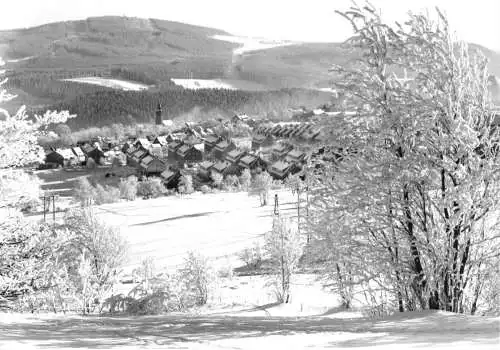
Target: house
[156,150]
[280,170]
[242,118]
[160,140]
[80,156]
[60,157]
[210,141]
[295,156]
[151,165]
[135,158]
[171,178]
[189,154]
[225,168]
[252,162]
[172,149]
[194,141]
[235,155]
[222,148]
[261,140]
[97,155]
[86,148]
[280,151]
[205,168]
[220,167]
[142,142]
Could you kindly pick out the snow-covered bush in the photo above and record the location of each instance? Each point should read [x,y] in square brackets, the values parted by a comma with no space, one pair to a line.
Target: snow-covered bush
[252,256]
[150,188]
[128,188]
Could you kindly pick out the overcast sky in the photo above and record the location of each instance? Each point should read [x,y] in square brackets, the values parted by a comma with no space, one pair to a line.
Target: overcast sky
[475,21]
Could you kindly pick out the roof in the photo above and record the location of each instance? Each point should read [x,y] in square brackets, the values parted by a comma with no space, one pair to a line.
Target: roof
[248,159]
[280,148]
[67,153]
[168,174]
[223,144]
[199,147]
[146,160]
[259,138]
[206,164]
[220,166]
[235,153]
[78,151]
[280,166]
[139,153]
[211,139]
[162,140]
[143,142]
[156,146]
[131,150]
[295,153]
[183,149]
[87,148]
[174,144]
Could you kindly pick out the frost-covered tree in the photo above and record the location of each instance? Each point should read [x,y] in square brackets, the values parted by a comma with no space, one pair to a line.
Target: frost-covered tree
[246,179]
[25,247]
[283,246]
[412,206]
[261,186]
[217,179]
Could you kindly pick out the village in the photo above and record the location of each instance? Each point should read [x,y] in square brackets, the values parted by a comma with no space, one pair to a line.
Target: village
[281,149]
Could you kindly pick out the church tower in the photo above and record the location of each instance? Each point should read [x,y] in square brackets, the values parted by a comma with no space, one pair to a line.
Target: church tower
[158,115]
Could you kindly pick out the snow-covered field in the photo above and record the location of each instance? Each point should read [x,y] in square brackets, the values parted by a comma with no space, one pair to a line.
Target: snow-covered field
[229,84]
[216,225]
[251,44]
[195,84]
[433,330]
[111,83]
[20,59]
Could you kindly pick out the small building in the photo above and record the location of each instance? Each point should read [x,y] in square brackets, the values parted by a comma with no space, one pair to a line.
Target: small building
[142,142]
[172,149]
[225,168]
[235,155]
[280,151]
[189,154]
[171,178]
[160,140]
[152,165]
[156,150]
[295,156]
[97,155]
[136,157]
[242,118]
[80,156]
[210,141]
[205,168]
[54,158]
[252,162]
[222,148]
[86,148]
[261,140]
[280,170]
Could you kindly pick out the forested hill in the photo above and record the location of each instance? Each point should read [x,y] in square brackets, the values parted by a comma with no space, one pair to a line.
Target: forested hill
[110,106]
[153,52]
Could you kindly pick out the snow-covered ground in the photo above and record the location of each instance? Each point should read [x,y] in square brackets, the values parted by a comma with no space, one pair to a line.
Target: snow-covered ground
[216,225]
[20,59]
[229,84]
[195,84]
[251,44]
[111,83]
[416,330]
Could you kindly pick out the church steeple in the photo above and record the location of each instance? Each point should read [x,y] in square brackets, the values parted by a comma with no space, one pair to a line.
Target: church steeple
[158,114]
